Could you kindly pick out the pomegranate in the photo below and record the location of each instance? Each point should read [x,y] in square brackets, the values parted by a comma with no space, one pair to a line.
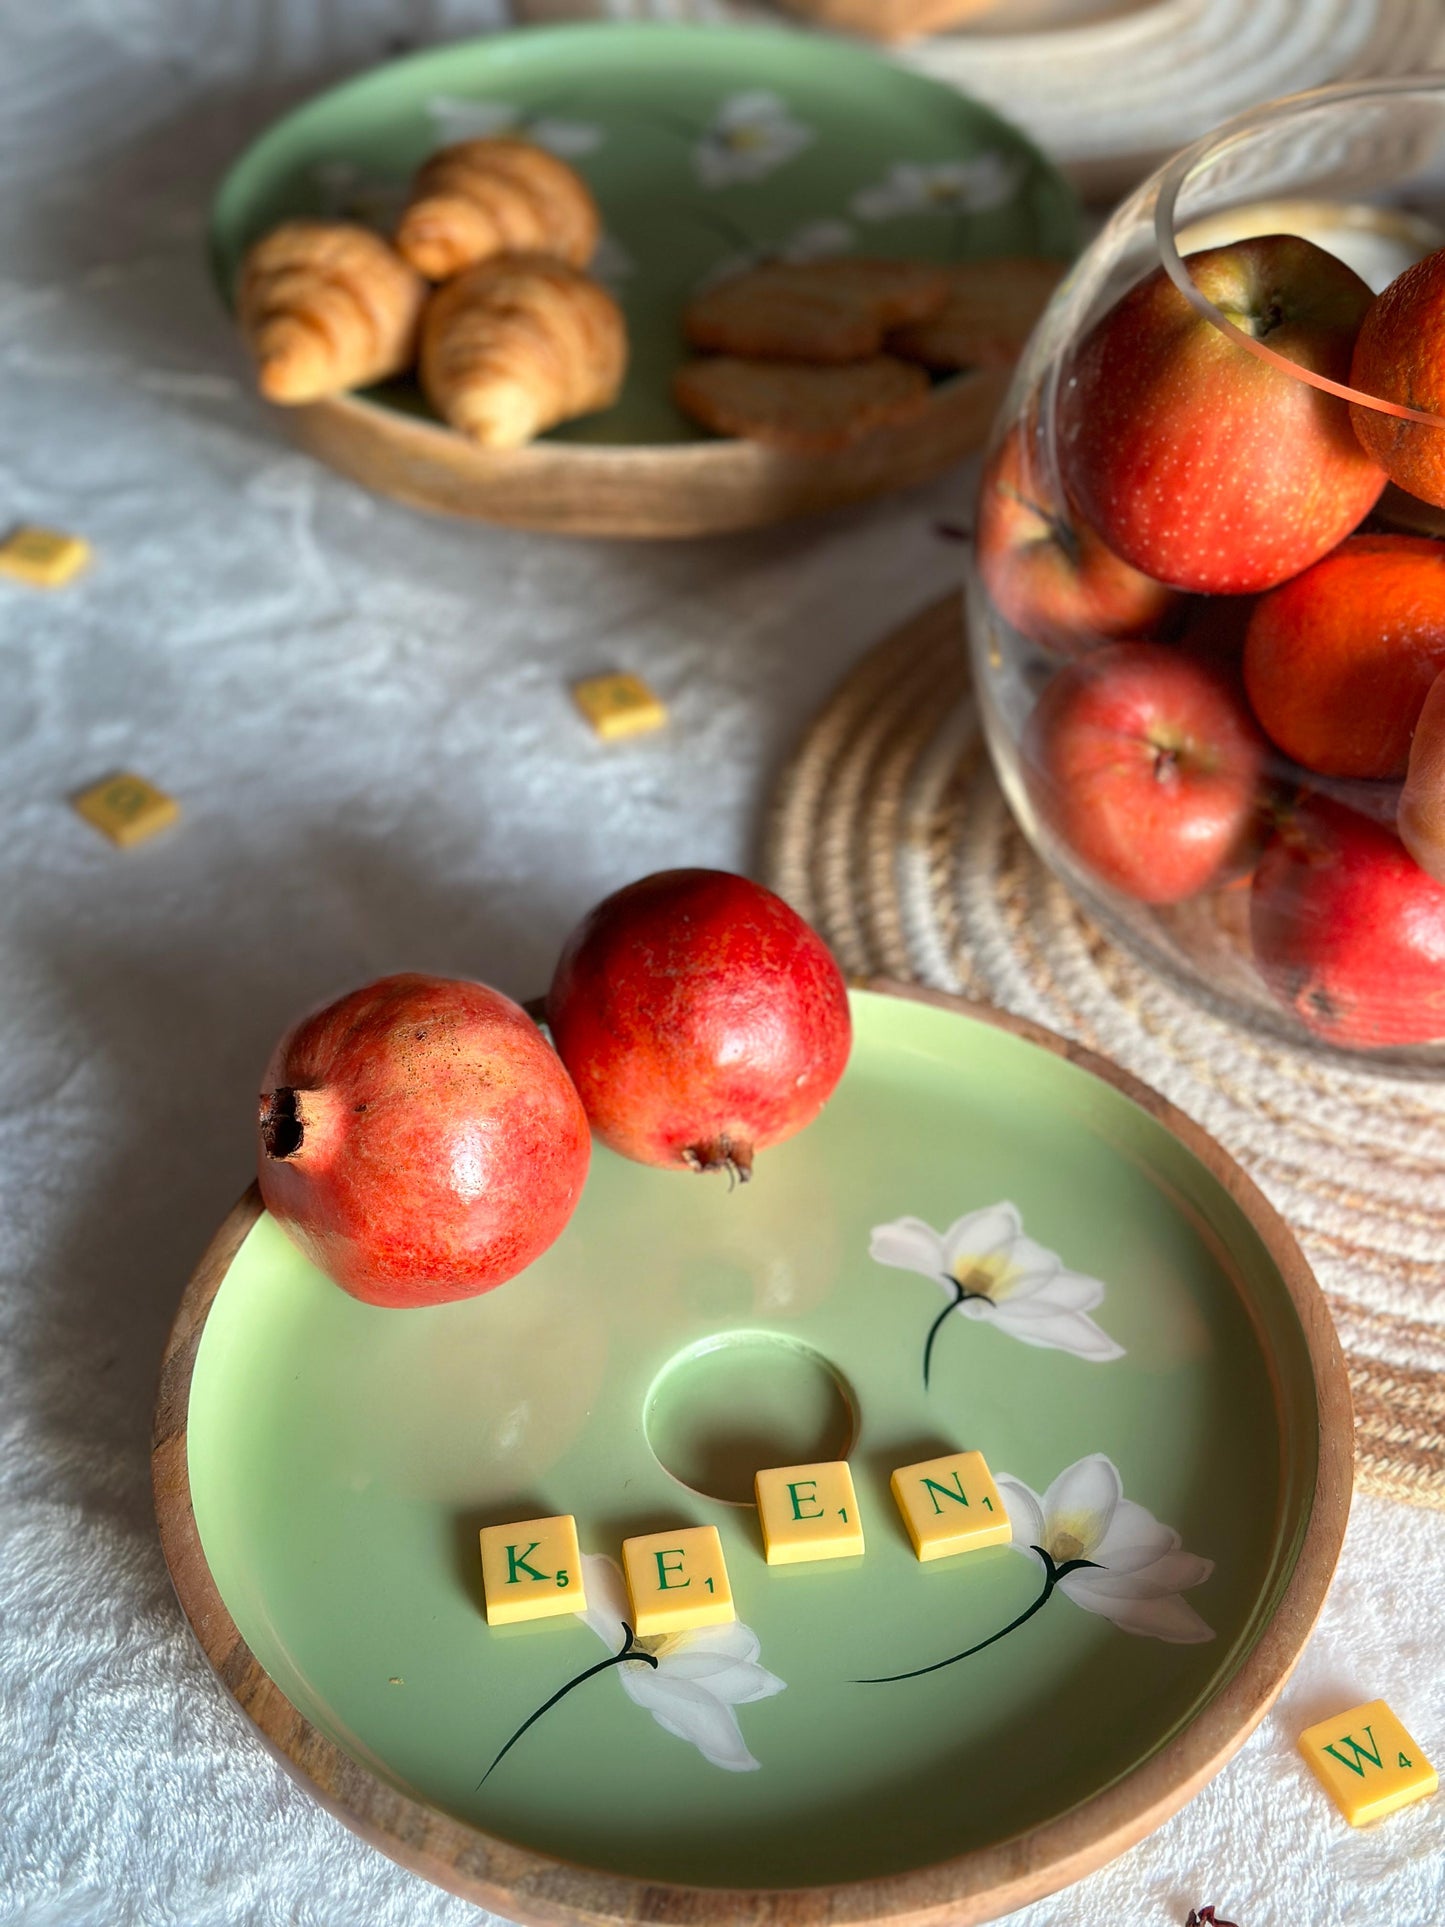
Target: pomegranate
[420,1141]
[701,1019]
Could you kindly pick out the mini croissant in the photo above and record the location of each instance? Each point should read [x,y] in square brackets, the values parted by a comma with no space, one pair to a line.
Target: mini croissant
[484,197]
[517,344]
[325,306]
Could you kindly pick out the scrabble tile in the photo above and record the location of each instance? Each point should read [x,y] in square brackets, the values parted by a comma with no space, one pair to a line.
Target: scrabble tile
[677,1580]
[619,705]
[126,808]
[950,1505]
[45,558]
[532,1570]
[1367,1762]
[808,1512]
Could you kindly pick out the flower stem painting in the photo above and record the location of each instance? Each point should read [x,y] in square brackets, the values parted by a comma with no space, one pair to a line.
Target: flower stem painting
[1106,1553]
[690,1682]
[992,1273]
[628,1651]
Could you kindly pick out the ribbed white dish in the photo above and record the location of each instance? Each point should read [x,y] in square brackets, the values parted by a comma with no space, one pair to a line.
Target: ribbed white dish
[1110,97]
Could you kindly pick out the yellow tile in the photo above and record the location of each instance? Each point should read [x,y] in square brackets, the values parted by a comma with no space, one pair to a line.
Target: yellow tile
[532,1570]
[950,1505]
[126,808]
[677,1580]
[45,558]
[808,1512]
[1367,1762]
[619,705]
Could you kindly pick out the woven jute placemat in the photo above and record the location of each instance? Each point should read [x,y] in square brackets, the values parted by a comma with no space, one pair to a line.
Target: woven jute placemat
[889,833]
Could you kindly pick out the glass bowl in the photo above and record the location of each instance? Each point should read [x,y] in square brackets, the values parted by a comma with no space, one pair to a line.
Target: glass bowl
[1124,721]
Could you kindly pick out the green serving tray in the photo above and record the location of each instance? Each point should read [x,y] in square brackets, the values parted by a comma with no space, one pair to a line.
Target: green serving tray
[340,1459]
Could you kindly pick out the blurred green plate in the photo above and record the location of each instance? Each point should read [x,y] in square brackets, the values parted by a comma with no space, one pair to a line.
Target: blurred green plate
[705,147]
[1174,1352]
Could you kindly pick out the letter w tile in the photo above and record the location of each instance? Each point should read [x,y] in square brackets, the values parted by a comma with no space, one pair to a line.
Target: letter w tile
[1360,1752]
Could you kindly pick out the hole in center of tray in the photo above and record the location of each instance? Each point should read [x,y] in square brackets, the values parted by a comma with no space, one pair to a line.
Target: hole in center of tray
[730,1406]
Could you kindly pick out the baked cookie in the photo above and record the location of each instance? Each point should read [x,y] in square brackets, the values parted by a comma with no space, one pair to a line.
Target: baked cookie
[989,314]
[325,306]
[804,410]
[817,311]
[519,343]
[481,198]
[898,292]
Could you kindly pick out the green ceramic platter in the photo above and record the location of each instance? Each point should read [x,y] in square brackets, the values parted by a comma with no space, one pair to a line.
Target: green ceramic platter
[704,148]
[1149,1326]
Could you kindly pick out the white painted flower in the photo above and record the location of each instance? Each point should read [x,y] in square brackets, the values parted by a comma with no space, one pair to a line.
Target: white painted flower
[457,118]
[751,136]
[993,1273]
[947,187]
[699,1678]
[814,241]
[1136,1568]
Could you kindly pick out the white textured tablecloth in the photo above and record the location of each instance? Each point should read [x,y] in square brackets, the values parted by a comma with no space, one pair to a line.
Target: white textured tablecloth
[365,716]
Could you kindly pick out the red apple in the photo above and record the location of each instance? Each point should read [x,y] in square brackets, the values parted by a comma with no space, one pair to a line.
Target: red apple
[700,1018]
[1145,763]
[1421,817]
[1201,463]
[1048,573]
[1348,931]
[1400,356]
[420,1141]
[1338,662]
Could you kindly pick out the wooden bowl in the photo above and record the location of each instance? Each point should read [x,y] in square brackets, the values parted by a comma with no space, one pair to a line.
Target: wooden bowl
[319,1502]
[672,489]
[705,150]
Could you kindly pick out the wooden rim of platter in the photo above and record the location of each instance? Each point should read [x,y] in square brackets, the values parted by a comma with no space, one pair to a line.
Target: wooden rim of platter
[536,1888]
[668,490]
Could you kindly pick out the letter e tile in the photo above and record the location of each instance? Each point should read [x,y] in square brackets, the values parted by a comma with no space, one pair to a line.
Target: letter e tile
[531,1570]
[677,1580]
[950,1505]
[808,1512]
[1367,1762]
